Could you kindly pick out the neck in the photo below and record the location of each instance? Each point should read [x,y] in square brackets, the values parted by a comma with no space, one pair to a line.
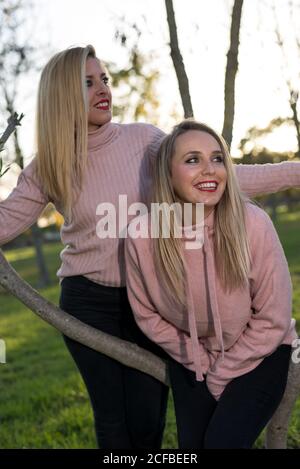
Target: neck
[208,211]
[195,220]
[93,127]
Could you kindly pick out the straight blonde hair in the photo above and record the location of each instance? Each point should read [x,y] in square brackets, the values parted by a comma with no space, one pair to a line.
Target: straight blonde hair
[61,125]
[230,242]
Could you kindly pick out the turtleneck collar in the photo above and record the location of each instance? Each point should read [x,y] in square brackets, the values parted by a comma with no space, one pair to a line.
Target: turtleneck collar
[104,135]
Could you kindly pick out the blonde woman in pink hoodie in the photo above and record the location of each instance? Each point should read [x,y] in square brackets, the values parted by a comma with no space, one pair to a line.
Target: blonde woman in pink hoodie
[221,309]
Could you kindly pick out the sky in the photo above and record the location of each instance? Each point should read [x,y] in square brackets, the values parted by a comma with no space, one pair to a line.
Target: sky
[203,31]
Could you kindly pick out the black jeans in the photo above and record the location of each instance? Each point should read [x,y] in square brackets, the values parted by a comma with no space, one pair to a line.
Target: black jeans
[129,406]
[243,410]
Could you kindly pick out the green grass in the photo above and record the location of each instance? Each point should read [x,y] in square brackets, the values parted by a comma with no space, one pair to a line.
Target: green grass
[43,402]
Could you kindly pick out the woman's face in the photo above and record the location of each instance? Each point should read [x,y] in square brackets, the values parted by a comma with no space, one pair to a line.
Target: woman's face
[198,169]
[99,94]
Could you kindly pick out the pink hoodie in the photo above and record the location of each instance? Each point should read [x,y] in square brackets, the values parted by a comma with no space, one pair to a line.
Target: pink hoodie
[222,335]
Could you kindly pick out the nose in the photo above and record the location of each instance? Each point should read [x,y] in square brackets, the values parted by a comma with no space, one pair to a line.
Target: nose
[100,88]
[208,167]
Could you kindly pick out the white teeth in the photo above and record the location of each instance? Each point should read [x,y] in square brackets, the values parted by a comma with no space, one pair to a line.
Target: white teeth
[207,185]
[104,104]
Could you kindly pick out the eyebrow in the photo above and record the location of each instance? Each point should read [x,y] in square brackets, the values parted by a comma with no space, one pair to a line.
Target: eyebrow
[197,152]
[91,76]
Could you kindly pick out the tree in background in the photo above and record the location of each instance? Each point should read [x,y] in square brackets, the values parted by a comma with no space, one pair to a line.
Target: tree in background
[231,67]
[183,81]
[292,85]
[250,145]
[134,85]
[231,71]
[17,59]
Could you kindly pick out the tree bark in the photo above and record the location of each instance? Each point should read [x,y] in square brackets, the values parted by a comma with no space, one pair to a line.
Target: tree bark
[36,235]
[294,94]
[37,241]
[277,429]
[182,78]
[19,158]
[125,352]
[231,71]
[294,98]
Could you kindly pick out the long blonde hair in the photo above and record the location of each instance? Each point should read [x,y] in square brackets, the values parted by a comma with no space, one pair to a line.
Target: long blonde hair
[230,241]
[61,125]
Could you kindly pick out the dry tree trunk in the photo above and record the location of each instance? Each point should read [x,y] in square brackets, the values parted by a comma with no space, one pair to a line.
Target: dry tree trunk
[285,67]
[277,429]
[231,71]
[36,233]
[182,78]
[125,352]
[294,99]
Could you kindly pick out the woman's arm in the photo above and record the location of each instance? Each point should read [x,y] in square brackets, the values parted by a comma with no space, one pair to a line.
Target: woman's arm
[270,322]
[22,207]
[255,179]
[174,341]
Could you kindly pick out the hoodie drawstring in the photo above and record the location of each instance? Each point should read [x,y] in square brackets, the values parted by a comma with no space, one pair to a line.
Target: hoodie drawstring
[214,308]
[194,333]
[211,277]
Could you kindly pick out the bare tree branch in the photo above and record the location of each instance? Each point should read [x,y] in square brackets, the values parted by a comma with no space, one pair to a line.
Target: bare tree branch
[231,71]
[125,352]
[18,58]
[276,435]
[12,122]
[294,94]
[182,78]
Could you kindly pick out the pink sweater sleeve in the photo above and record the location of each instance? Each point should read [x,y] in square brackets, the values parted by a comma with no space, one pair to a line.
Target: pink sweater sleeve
[22,207]
[271,294]
[174,341]
[255,179]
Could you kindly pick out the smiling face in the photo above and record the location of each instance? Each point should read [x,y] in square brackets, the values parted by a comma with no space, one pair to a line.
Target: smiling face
[198,172]
[99,94]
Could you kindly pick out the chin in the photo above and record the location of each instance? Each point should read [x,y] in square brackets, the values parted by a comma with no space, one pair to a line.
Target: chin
[98,122]
[105,120]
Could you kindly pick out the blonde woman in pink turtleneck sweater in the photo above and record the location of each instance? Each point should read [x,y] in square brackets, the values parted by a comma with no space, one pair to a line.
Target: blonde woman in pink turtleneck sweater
[84,160]
[216,296]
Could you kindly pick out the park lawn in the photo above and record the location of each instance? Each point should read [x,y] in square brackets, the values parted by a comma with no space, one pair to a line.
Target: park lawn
[43,401]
